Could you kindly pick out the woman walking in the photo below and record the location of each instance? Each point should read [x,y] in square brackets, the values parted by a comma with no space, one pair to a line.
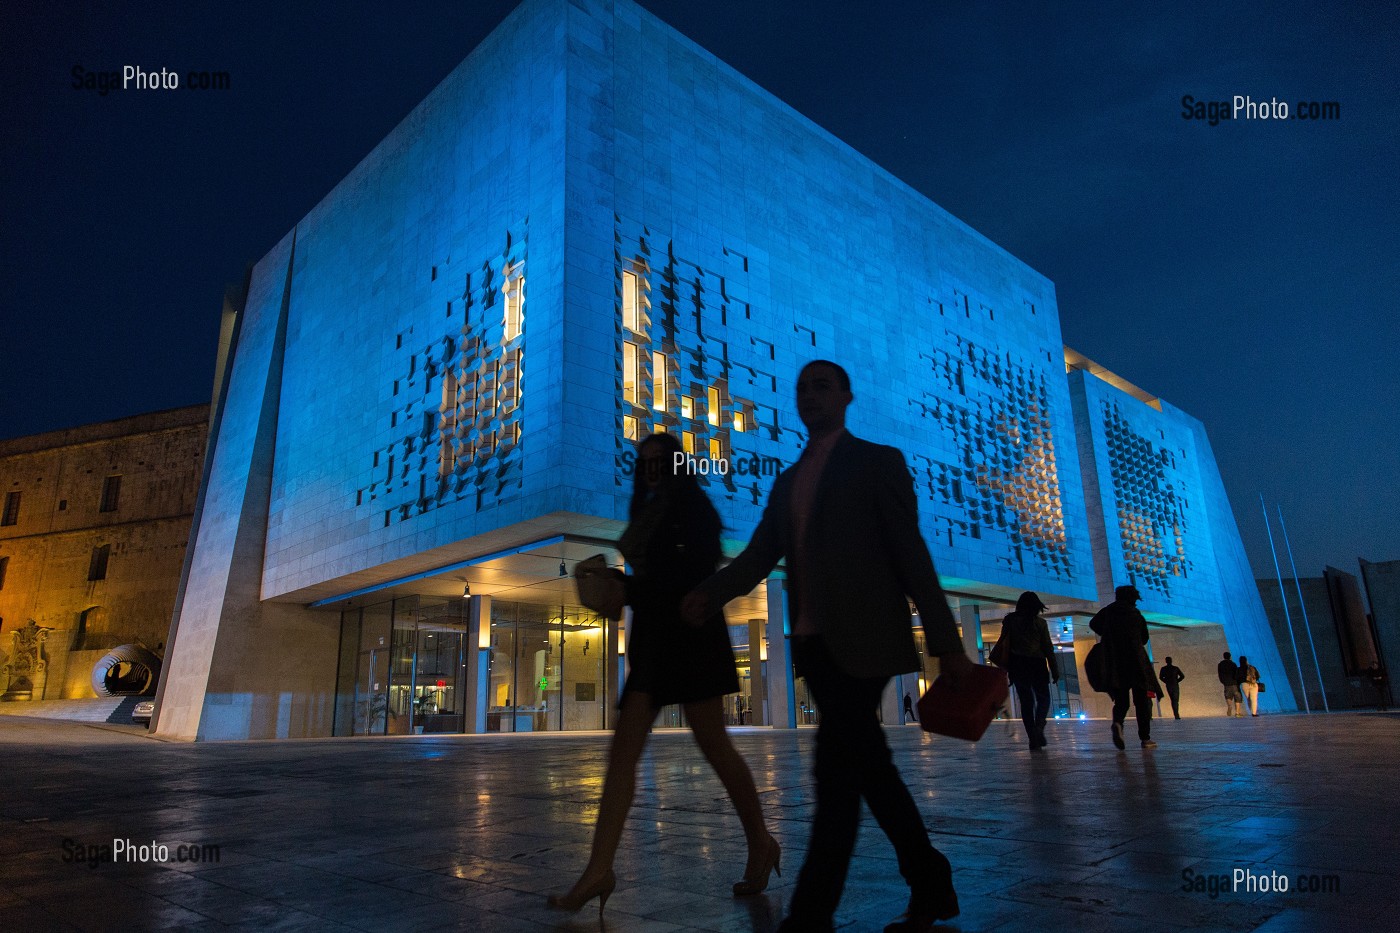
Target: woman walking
[1029,651]
[672,544]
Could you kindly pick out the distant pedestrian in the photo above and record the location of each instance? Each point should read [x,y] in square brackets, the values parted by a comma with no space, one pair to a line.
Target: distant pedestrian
[1249,686]
[1377,678]
[1029,651]
[1229,674]
[909,708]
[1171,678]
[1128,670]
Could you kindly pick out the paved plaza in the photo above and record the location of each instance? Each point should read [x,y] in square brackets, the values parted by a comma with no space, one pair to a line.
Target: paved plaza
[440,833]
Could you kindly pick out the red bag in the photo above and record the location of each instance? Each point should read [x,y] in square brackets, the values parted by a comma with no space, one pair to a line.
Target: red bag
[964,714]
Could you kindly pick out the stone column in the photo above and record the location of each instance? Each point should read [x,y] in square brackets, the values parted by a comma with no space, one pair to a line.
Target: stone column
[476,656]
[758,691]
[782,705]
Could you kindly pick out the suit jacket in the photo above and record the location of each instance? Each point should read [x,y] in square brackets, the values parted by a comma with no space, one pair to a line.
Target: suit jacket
[864,560]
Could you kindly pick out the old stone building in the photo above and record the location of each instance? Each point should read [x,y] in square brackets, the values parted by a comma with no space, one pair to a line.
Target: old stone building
[92,539]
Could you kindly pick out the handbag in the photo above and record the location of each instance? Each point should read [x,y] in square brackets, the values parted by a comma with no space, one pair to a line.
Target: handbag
[1261,686]
[601,587]
[999,651]
[1096,668]
[966,713]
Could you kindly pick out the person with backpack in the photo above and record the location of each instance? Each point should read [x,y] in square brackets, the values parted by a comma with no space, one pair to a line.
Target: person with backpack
[1249,686]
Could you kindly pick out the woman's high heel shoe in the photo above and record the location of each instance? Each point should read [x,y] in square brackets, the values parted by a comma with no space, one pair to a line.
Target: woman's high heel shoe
[758,881]
[580,895]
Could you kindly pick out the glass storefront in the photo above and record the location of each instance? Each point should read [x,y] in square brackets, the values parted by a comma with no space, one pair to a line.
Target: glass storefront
[403,668]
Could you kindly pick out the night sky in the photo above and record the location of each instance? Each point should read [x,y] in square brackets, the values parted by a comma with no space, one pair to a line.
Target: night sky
[1245,272]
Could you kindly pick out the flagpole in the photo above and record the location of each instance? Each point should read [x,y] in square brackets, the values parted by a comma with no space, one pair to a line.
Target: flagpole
[1307,626]
[1287,616]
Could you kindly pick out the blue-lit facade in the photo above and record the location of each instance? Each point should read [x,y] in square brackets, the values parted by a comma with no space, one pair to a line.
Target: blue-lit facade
[591,230]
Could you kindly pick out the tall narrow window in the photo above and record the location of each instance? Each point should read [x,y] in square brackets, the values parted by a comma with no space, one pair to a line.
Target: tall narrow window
[514,289]
[712,406]
[447,425]
[97,567]
[630,430]
[111,492]
[631,373]
[11,509]
[631,302]
[687,407]
[716,449]
[658,380]
[4,566]
[688,442]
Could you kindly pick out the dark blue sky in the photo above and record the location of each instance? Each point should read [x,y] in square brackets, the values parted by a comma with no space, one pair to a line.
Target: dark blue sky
[1245,272]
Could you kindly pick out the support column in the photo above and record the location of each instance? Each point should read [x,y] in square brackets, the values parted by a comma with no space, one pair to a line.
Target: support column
[970,616]
[758,691]
[477,660]
[782,705]
[617,661]
[892,703]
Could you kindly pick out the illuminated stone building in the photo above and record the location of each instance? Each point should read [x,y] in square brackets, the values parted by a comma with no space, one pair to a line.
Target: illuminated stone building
[591,230]
[92,539]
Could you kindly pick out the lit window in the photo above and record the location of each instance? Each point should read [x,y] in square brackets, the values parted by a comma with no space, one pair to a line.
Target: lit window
[111,493]
[514,289]
[687,407]
[630,428]
[712,404]
[631,376]
[11,509]
[510,379]
[658,380]
[447,425]
[716,449]
[658,429]
[688,441]
[631,302]
[739,421]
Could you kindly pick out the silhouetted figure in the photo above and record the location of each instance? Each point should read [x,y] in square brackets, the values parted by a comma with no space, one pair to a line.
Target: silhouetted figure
[672,543]
[909,708]
[1248,676]
[1171,678]
[1377,678]
[845,518]
[1124,633]
[1229,674]
[1031,663]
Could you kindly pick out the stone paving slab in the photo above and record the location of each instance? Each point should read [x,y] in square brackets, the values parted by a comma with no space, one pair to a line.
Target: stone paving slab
[470,833]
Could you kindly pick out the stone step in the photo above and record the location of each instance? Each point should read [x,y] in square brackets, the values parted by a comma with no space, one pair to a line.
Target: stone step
[96,710]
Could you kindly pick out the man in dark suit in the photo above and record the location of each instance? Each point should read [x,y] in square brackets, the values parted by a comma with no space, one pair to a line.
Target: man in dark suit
[1171,678]
[846,519]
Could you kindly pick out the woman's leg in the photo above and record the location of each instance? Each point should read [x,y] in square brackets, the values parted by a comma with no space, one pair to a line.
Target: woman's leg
[633,723]
[706,720]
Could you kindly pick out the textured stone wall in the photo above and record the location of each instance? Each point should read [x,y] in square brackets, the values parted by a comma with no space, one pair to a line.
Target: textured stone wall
[49,551]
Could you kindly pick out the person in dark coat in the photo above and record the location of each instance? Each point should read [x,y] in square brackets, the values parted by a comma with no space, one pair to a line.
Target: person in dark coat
[1124,633]
[672,543]
[1229,674]
[845,519]
[1171,678]
[1029,651]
